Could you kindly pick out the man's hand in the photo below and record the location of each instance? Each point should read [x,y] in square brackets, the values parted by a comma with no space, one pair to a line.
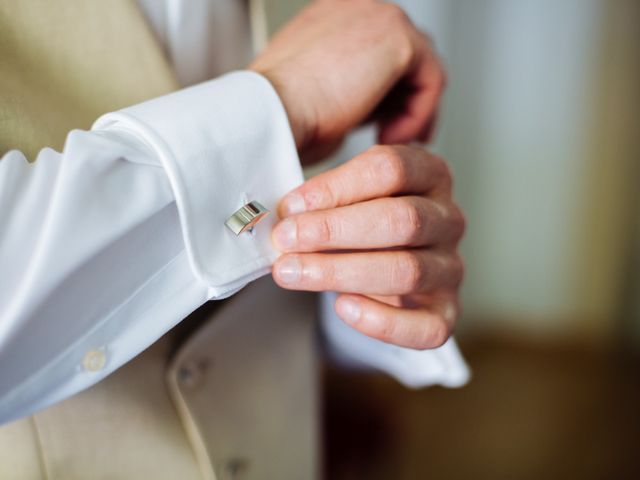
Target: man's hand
[339,63]
[388,231]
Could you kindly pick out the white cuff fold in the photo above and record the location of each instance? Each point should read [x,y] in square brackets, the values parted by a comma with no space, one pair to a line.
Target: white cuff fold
[443,366]
[222,144]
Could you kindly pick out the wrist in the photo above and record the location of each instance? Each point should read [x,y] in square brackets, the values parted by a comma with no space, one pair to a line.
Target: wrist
[299,122]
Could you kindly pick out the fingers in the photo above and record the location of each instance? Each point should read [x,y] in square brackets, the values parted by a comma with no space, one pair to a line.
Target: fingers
[370,273]
[379,172]
[424,86]
[380,223]
[420,328]
[428,132]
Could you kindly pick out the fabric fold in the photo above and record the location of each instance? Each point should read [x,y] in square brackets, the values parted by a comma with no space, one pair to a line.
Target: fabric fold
[223,143]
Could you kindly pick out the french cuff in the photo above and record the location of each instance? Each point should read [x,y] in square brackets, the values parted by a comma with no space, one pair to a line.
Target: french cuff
[223,144]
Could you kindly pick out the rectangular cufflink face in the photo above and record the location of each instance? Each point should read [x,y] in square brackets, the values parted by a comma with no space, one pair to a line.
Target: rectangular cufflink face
[246,217]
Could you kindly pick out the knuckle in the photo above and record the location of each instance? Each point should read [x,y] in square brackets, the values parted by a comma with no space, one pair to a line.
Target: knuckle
[400,24]
[404,50]
[383,152]
[380,150]
[443,171]
[387,329]
[435,334]
[323,196]
[408,222]
[458,221]
[325,230]
[410,272]
[441,333]
[319,193]
[391,166]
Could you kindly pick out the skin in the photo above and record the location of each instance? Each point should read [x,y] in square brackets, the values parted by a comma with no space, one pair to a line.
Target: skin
[382,228]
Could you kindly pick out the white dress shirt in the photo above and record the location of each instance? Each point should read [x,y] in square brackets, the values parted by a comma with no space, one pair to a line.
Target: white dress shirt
[108,244]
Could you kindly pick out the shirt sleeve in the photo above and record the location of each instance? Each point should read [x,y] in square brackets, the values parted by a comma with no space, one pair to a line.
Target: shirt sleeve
[108,244]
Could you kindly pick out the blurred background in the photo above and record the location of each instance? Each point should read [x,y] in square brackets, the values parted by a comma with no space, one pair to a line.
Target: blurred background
[541,124]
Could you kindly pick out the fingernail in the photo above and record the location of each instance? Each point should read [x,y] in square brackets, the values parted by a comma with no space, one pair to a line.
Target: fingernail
[289,269]
[349,310]
[293,203]
[285,234]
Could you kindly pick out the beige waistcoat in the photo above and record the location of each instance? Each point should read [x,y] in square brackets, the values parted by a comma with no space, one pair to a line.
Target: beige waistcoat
[231,393]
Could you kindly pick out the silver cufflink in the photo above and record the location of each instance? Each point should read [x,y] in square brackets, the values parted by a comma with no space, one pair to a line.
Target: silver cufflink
[246,217]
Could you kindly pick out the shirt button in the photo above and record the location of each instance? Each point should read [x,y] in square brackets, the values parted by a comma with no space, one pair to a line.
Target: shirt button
[191,373]
[94,360]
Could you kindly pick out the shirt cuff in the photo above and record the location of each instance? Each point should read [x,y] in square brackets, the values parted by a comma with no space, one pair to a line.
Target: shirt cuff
[222,144]
[443,366]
